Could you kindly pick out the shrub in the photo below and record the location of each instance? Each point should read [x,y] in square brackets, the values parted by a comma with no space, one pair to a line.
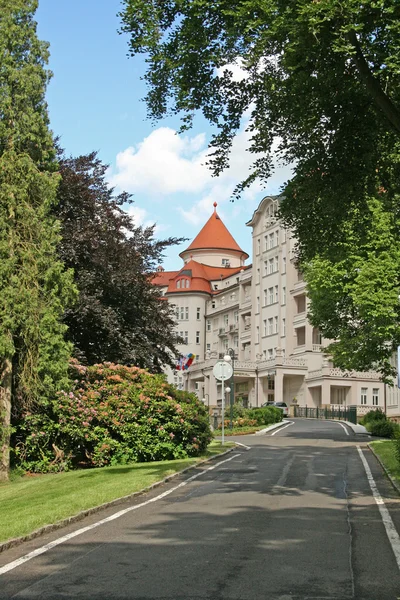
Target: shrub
[373,415]
[382,428]
[266,415]
[113,415]
[241,422]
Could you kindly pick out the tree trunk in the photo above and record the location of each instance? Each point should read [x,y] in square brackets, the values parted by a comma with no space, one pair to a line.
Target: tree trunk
[5,418]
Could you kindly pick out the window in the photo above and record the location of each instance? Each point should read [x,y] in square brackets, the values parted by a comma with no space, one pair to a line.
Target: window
[265,298]
[236,315]
[283,295]
[266,243]
[276,238]
[271,382]
[226,320]
[196,386]
[187,283]
[270,397]
[271,295]
[257,335]
[212,303]
[265,327]
[271,240]
[283,327]
[276,293]
[208,324]
[284,265]
[258,276]
[197,337]
[364,395]
[198,314]
[270,353]
[265,269]
[225,345]
[276,264]
[208,347]
[236,341]
[258,246]
[375,396]
[275,324]
[177,312]
[258,303]
[182,313]
[178,284]
[271,265]
[186,337]
[186,313]
[270,326]
[215,286]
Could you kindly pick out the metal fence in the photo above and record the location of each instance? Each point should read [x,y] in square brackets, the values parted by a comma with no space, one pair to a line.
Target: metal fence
[345,413]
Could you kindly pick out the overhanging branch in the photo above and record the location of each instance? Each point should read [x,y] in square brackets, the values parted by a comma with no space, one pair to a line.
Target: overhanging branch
[380,98]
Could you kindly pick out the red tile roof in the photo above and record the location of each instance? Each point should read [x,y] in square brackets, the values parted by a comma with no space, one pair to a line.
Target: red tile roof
[214,235]
[162,278]
[200,277]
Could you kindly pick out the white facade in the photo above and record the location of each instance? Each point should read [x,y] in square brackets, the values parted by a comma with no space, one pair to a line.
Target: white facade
[260,313]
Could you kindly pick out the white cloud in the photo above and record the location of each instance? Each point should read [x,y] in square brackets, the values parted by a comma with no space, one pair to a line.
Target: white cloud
[164,163]
[167,164]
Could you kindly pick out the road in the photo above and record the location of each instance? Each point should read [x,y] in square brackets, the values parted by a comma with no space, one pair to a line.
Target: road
[292,518]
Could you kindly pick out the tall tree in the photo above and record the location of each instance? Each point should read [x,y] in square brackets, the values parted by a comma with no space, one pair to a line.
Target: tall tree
[34,288]
[322,77]
[119,315]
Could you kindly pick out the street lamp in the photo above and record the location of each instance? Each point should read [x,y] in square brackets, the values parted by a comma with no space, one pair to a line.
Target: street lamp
[230,357]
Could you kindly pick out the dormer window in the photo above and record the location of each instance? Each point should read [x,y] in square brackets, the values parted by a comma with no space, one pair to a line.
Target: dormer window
[226,262]
[183,283]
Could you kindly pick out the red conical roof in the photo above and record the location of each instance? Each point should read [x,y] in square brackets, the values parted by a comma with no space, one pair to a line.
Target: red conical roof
[214,235]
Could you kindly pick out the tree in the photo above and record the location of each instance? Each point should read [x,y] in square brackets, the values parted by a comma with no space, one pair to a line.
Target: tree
[354,298]
[34,287]
[119,316]
[321,77]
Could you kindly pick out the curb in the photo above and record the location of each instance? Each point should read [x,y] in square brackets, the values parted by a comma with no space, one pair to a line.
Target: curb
[85,513]
[270,428]
[392,481]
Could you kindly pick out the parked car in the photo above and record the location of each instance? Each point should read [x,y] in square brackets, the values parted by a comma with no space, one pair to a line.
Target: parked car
[282,405]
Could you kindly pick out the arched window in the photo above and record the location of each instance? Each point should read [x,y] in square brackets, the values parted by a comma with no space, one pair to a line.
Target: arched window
[178,283]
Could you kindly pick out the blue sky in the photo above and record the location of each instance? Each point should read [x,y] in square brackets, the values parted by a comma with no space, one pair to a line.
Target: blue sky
[95,103]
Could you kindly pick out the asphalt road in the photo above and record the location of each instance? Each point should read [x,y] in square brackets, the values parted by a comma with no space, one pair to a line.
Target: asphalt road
[293,518]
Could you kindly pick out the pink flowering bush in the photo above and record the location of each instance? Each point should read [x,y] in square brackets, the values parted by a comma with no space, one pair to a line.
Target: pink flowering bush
[113,415]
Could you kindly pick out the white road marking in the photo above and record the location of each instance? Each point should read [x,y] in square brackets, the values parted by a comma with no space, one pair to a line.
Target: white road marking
[243,445]
[282,428]
[345,428]
[391,530]
[20,561]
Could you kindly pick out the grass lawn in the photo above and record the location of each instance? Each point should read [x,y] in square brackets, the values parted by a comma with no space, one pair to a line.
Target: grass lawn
[30,502]
[385,450]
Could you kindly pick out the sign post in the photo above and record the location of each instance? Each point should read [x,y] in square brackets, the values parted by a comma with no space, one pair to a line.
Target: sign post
[222,371]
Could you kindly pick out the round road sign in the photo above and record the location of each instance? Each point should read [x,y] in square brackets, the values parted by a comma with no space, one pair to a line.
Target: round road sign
[222,370]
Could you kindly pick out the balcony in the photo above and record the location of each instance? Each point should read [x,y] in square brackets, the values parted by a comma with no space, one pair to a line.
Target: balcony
[222,331]
[299,318]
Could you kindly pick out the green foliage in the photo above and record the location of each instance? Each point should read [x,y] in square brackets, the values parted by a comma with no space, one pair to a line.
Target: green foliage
[266,415]
[119,316]
[34,287]
[354,292]
[320,88]
[372,416]
[249,417]
[382,428]
[114,415]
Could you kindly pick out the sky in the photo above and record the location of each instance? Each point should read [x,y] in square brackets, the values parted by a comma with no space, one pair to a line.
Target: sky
[95,103]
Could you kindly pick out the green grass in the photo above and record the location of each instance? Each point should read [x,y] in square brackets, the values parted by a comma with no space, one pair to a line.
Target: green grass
[385,449]
[30,502]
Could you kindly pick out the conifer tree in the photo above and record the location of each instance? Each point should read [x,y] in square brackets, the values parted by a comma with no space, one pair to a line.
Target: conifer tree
[34,286]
